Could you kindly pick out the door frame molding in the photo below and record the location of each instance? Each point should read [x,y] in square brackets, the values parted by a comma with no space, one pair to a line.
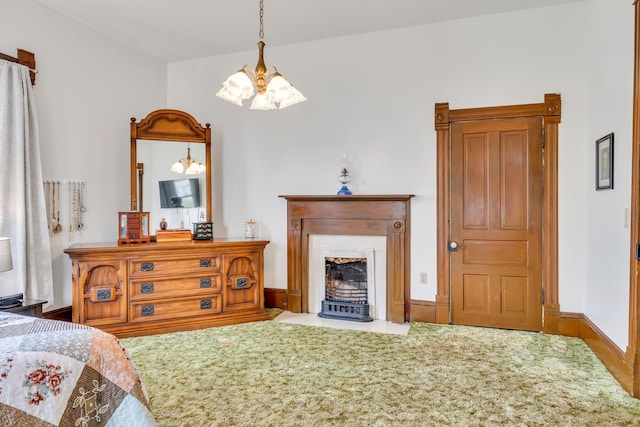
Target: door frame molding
[632,354]
[550,112]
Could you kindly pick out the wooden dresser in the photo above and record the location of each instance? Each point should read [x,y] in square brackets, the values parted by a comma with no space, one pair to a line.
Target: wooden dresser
[141,289]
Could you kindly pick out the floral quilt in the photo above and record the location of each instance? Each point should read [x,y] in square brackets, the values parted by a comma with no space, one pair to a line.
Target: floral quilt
[55,373]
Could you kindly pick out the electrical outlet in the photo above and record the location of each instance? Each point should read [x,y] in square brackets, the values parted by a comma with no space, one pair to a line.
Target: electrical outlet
[423,278]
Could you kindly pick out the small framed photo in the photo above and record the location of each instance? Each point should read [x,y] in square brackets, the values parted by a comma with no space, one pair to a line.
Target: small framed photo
[604,163]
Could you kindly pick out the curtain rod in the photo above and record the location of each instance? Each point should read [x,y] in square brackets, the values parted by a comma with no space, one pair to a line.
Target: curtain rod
[8,58]
[25,58]
[12,59]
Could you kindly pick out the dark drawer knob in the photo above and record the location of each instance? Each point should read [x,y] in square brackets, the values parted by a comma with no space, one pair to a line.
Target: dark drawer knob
[147,310]
[205,262]
[146,266]
[205,304]
[104,295]
[205,283]
[146,288]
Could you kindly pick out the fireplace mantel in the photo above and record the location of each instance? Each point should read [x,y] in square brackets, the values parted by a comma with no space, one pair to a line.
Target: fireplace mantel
[366,215]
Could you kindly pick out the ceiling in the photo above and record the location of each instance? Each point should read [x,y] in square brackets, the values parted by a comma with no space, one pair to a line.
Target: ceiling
[175,30]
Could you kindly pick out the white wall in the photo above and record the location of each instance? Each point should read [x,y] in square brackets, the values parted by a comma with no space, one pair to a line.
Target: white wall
[582,51]
[87,89]
[606,278]
[373,96]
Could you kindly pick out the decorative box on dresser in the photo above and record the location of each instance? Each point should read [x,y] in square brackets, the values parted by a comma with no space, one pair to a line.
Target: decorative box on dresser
[141,289]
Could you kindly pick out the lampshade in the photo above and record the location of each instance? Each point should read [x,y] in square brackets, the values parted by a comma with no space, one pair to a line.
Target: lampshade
[5,254]
[274,91]
[188,166]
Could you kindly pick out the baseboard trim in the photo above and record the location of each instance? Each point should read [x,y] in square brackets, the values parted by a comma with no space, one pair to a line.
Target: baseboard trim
[423,311]
[570,324]
[612,357]
[63,313]
[275,298]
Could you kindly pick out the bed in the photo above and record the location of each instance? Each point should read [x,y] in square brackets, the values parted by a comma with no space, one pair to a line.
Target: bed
[55,373]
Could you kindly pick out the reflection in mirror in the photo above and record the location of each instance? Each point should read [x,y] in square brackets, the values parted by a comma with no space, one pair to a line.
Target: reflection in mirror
[170,134]
[157,158]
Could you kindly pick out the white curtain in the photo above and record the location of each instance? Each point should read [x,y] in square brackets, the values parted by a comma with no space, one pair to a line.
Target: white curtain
[22,202]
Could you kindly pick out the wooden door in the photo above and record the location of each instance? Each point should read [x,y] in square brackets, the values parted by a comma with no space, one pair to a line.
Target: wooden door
[496,223]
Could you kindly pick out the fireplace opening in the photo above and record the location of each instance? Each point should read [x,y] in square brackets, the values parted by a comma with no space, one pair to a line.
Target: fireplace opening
[346,289]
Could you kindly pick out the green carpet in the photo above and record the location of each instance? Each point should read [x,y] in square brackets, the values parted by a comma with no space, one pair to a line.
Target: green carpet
[275,374]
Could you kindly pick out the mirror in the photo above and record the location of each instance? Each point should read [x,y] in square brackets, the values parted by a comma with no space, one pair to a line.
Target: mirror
[168,194]
[157,142]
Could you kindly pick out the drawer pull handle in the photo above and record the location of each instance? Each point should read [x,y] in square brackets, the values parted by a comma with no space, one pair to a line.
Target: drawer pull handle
[205,262]
[205,283]
[146,288]
[104,295]
[147,310]
[205,304]
[241,282]
[146,266]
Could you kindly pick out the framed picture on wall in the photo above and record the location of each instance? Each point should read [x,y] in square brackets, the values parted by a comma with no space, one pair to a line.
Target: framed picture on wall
[604,162]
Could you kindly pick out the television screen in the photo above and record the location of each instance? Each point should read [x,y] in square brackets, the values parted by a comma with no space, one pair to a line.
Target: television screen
[180,193]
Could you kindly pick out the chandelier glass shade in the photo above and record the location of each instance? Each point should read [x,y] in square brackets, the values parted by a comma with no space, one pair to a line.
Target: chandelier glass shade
[188,166]
[273,90]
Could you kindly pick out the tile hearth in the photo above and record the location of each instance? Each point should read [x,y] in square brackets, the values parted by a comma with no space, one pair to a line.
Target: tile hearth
[312,319]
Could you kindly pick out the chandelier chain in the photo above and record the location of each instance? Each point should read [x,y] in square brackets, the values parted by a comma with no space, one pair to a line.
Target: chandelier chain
[261,20]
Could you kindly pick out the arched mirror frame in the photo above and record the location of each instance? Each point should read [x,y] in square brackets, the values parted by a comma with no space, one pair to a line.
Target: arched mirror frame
[173,126]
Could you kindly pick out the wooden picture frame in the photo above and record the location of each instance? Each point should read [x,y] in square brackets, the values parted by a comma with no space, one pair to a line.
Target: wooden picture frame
[604,162]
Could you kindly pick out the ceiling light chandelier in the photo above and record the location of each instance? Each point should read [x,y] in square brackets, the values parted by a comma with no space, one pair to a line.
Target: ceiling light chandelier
[272,87]
[188,165]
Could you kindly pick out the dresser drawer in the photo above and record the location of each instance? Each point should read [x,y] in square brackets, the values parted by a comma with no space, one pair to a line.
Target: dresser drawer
[167,266]
[178,287]
[154,310]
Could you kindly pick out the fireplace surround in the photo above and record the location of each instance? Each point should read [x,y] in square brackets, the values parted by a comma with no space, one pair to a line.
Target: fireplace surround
[373,215]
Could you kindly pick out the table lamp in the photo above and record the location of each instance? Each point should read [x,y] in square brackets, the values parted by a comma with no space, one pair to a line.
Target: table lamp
[6,264]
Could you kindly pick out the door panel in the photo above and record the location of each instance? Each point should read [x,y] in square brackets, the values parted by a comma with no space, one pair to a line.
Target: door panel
[496,219]
[514,181]
[476,212]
